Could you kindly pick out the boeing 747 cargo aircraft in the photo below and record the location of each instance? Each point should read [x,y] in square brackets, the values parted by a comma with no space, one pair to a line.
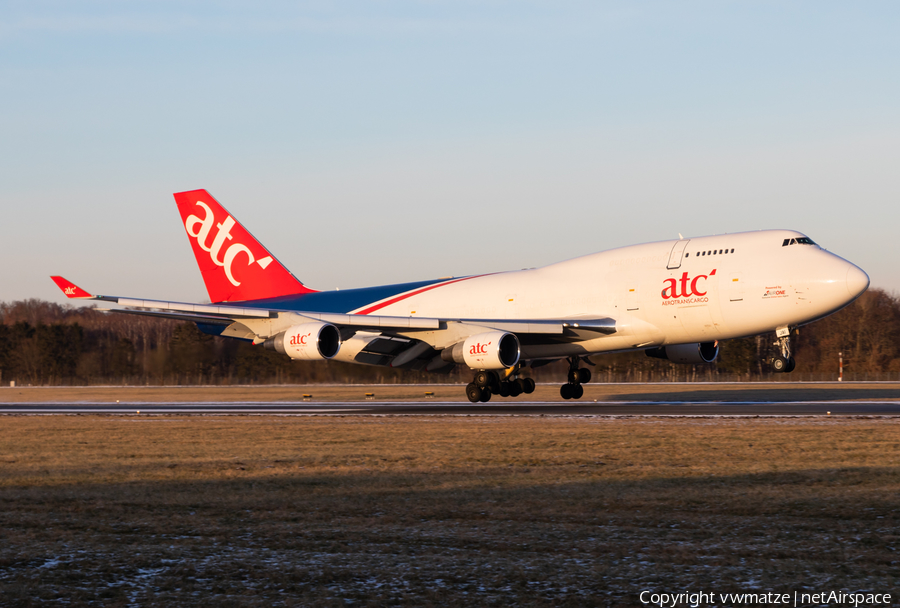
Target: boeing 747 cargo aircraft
[674,299]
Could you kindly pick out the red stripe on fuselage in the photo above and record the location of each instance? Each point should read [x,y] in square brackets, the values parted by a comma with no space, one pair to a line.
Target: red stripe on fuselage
[400,298]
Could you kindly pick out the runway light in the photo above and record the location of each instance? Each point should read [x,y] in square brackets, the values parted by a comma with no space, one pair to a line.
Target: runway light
[829,413]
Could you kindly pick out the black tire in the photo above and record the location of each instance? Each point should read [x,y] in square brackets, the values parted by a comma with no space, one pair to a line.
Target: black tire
[780,365]
[515,389]
[482,379]
[565,391]
[485,396]
[529,386]
[577,391]
[791,365]
[504,389]
[522,384]
[473,392]
[572,376]
[495,383]
[584,375]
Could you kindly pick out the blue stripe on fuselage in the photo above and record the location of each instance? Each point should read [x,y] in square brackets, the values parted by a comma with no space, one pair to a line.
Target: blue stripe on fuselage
[342,301]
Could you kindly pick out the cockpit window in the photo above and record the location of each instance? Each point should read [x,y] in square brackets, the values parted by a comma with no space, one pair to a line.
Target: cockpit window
[801,241]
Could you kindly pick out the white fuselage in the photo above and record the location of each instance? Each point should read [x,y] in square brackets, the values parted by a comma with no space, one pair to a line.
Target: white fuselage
[669,292]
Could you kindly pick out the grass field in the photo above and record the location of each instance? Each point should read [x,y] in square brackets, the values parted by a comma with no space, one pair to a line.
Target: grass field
[270,511]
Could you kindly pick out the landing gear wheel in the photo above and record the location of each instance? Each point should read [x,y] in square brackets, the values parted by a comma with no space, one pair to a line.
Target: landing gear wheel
[565,391]
[473,392]
[783,363]
[528,386]
[578,375]
[780,364]
[504,389]
[577,391]
[515,389]
[485,396]
[482,379]
[522,383]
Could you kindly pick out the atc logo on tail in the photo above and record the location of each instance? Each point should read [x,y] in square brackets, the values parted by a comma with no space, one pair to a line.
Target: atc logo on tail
[234,265]
[204,227]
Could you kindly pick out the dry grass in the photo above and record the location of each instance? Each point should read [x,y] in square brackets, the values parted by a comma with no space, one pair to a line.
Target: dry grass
[266,511]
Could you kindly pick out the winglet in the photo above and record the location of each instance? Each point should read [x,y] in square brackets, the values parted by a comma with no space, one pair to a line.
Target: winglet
[70,289]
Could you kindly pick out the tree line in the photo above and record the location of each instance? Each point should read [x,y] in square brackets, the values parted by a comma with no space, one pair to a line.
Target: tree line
[42,343]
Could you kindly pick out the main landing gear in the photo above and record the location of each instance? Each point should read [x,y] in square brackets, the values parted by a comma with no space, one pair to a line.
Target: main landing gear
[783,363]
[488,383]
[577,376]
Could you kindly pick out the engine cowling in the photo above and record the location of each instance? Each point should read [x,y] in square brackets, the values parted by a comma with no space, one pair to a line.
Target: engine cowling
[490,350]
[703,352]
[314,341]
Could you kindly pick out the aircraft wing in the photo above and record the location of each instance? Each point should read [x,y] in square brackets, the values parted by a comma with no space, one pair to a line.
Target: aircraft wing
[380,340]
[228,313]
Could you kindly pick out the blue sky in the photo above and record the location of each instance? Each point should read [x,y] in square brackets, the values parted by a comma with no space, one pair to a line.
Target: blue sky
[377,142]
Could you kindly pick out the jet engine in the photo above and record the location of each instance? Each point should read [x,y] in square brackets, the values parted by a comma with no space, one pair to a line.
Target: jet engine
[313,341]
[490,350]
[704,352]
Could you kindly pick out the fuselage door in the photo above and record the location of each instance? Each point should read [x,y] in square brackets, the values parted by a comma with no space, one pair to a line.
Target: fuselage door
[510,306]
[677,253]
[632,299]
[736,287]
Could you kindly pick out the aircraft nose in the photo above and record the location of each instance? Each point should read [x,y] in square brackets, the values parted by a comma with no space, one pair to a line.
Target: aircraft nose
[857,281]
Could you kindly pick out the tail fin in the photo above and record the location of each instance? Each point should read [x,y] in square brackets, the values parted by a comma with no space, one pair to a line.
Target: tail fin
[234,265]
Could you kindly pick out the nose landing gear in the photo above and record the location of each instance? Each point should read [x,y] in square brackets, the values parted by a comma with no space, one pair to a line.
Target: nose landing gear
[488,383]
[577,376]
[783,363]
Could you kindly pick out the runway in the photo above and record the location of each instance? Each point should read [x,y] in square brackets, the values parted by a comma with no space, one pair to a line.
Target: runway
[448,408]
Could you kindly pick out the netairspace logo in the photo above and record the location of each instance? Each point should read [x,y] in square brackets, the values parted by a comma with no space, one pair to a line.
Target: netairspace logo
[701,598]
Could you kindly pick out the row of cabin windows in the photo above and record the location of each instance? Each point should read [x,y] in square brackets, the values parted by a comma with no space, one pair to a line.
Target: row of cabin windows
[801,241]
[710,252]
[797,241]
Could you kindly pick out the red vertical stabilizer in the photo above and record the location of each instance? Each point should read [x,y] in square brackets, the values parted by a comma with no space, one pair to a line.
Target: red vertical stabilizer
[234,265]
